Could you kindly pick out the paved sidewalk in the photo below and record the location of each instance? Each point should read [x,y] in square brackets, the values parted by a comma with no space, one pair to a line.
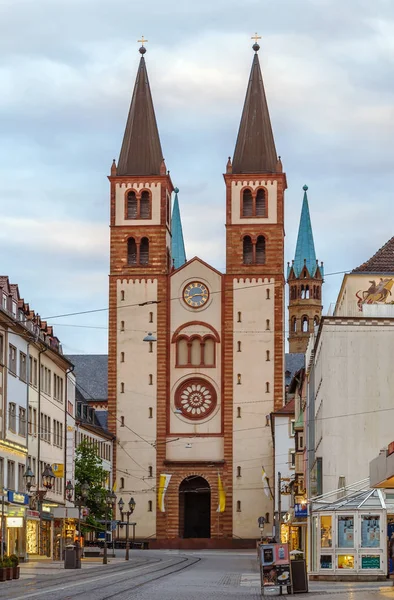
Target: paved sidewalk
[35,568]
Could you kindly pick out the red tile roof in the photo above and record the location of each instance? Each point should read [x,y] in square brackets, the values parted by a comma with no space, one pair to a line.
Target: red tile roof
[381,262]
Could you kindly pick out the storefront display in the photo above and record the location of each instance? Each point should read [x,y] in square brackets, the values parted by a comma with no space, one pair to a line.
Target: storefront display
[370,561]
[45,538]
[345,532]
[370,531]
[326,561]
[32,536]
[345,561]
[326,531]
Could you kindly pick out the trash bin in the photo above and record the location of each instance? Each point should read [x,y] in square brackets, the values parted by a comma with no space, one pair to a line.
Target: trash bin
[70,557]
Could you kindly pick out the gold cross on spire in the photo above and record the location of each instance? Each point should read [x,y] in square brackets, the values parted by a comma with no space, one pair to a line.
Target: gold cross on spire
[256,37]
[142,41]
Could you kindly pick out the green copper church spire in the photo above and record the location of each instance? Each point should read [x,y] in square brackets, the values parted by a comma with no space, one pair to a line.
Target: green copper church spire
[305,250]
[178,244]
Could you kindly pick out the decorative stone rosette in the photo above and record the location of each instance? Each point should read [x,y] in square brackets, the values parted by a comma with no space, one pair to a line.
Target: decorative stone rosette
[196,398]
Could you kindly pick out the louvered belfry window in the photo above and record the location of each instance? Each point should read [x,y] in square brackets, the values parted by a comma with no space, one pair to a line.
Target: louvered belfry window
[145,206]
[144,251]
[247,250]
[260,250]
[247,204]
[260,203]
[131,205]
[131,252]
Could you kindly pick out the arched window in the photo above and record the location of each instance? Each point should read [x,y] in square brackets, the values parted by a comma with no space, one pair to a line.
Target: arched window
[132,210]
[247,204]
[316,321]
[195,353]
[145,206]
[302,293]
[307,292]
[144,251]
[239,379]
[305,324]
[247,250]
[260,203]
[182,352]
[294,324]
[209,352]
[131,252]
[317,292]
[260,250]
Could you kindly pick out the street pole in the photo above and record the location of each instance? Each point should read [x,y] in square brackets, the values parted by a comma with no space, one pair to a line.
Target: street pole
[127,536]
[2,524]
[105,557]
[279,514]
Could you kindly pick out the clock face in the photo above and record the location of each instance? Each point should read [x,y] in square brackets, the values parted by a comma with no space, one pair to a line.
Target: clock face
[196,294]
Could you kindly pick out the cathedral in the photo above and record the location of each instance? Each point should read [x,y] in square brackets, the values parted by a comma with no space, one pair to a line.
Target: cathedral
[196,356]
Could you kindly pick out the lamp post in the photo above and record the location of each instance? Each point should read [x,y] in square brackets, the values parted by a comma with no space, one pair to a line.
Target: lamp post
[110,501]
[129,513]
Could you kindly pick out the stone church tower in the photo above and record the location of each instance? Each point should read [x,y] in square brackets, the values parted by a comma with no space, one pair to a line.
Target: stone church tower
[189,403]
[305,279]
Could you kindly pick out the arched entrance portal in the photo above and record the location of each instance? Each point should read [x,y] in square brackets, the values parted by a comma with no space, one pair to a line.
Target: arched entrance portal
[194,508]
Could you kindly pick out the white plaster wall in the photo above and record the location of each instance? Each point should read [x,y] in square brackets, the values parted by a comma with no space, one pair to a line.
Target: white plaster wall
[252,444]
[205,448]
[134,455]
[284,443]
[271,187]
[358,283]
[17,390]
[70,433]
[355,397]
[120,192]
[210,314]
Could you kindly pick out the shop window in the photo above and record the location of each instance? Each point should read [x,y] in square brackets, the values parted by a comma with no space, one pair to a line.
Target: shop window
[247,203]
[247,250]
[326,531]
[370,561]
[370,531]
[260,250]
[345,561]
[131,252]
[144,251]
[345,532]
[326,561]
[260,203]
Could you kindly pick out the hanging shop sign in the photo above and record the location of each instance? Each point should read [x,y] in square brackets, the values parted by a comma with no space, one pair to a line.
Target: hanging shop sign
[58,469]
[33,514]
[300,510]
[18,498]
[16,511]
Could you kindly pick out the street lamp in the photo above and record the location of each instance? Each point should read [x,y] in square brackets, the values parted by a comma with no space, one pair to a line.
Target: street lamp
[48,477]
[110,501]
[69,491]
[150,338]
[129,513]
[28,476]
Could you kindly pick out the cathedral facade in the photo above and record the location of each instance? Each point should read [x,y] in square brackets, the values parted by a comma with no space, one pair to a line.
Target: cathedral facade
[196,356]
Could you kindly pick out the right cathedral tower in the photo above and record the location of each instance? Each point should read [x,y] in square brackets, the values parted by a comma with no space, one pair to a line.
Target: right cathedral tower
[305,279]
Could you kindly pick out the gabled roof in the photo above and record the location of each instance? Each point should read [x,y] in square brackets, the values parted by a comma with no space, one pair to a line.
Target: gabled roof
[177,244]
[287,409]
[381,262]
[196,258]
[141,152]
[255,148]
[91,372]
[294,361]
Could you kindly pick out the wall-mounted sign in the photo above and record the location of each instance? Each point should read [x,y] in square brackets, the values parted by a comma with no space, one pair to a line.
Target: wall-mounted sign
[18,498]
[14,522]
[58,469]
[300,510]
[16,511]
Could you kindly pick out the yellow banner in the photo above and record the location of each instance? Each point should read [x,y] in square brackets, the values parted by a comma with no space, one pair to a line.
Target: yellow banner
[163,485]
[58,470]
[222,496]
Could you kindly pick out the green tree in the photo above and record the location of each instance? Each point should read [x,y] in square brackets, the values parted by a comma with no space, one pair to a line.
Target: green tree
[89,469]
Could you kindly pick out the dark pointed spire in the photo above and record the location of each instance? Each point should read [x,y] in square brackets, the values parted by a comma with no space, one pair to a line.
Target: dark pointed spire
[141,152]
[255,148]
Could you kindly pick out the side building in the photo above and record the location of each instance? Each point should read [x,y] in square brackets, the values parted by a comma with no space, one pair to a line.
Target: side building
[34,386]
[350,377]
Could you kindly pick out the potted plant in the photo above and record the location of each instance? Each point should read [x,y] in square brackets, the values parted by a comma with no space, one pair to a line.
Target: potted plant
[3,572]
[15,566]
[8,567]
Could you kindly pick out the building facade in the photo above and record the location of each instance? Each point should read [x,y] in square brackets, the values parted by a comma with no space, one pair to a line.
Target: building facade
[305,280]
[350,381]
[190,405]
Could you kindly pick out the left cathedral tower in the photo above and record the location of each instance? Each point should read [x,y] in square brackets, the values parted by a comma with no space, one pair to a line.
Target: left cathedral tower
[140,260]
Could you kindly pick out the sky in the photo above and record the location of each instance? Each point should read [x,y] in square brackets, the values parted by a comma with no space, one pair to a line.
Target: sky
[67,71]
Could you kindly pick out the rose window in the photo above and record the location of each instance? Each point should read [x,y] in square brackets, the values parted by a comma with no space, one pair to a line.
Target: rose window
[196,398]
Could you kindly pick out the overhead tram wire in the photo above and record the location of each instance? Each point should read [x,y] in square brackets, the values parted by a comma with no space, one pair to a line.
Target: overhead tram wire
[96,310]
